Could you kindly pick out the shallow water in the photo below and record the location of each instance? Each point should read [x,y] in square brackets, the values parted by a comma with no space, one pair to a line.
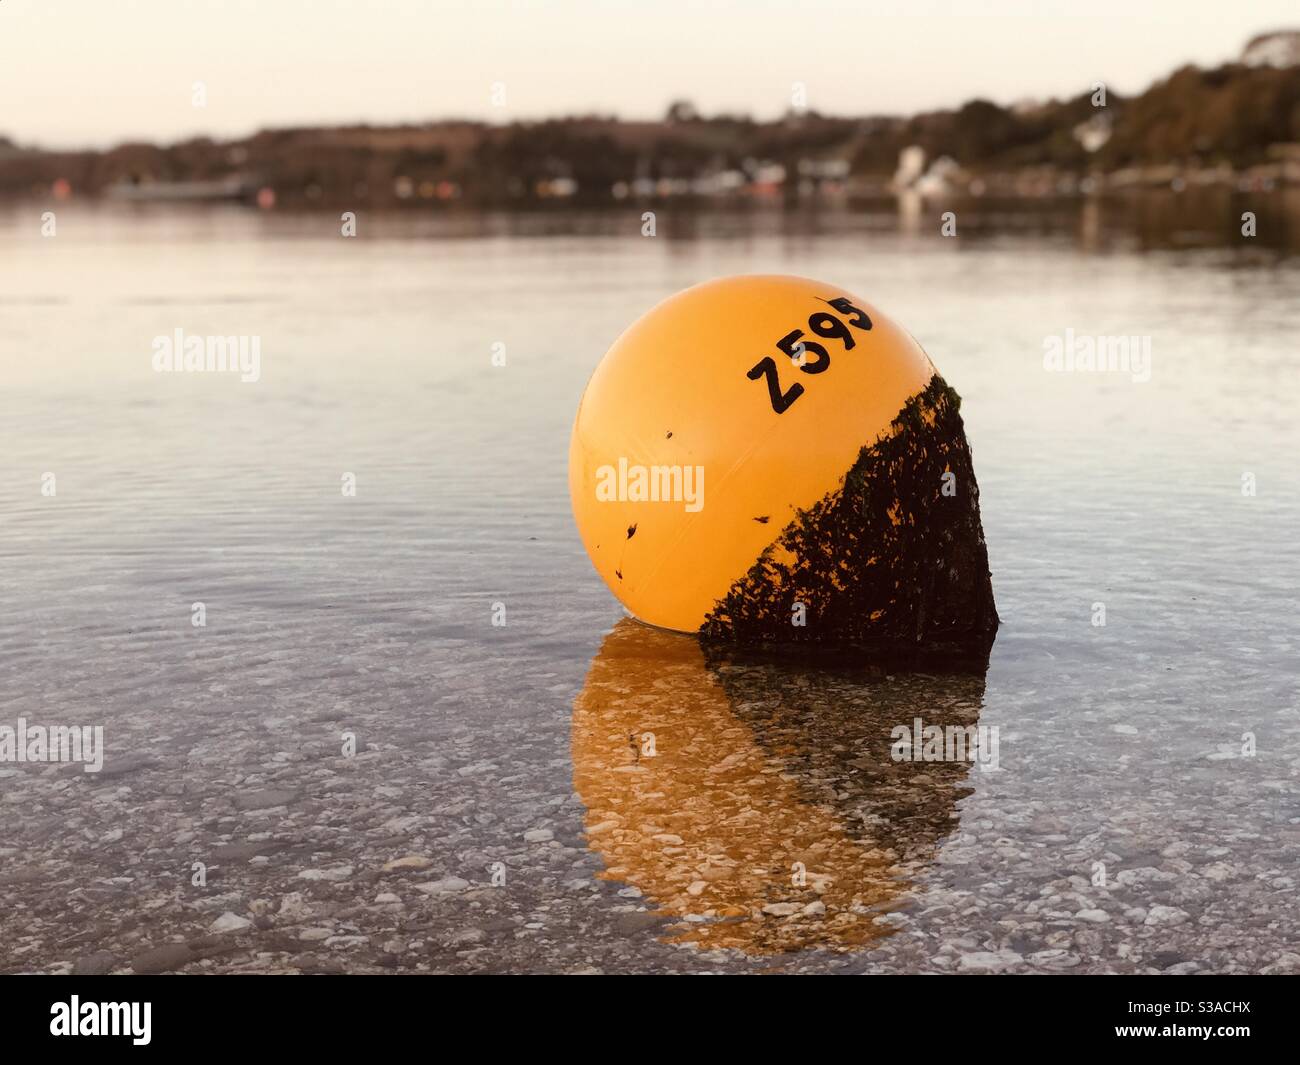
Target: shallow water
[491,753]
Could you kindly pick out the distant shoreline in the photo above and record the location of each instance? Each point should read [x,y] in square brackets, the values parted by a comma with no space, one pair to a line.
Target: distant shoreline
[1127,219]
[1235,127]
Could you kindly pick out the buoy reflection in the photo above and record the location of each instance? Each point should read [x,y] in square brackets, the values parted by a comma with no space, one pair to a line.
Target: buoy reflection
[758,804]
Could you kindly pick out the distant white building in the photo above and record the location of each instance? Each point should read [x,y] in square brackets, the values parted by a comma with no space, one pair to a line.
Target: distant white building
[1278,49]
[911,165]
[914,177]
[938,179]
[1093,133]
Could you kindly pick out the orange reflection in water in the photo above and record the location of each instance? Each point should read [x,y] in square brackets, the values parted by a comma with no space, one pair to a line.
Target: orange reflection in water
[770,816]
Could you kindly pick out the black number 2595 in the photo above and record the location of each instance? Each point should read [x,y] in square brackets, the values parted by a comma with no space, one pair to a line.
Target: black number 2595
[824,325]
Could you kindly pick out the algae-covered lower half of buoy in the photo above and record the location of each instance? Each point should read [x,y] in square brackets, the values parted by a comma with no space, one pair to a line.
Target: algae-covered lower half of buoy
[893,560]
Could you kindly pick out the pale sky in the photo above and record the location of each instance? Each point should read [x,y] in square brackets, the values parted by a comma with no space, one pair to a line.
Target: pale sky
[95,72]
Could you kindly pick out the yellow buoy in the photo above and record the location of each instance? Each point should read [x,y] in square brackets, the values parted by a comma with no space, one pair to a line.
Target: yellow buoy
[771,460]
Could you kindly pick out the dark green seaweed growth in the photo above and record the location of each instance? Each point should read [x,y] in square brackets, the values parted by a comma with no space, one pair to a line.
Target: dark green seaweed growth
[889,563]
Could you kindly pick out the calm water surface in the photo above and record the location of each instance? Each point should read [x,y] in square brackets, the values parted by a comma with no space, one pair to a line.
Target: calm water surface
[499,753]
